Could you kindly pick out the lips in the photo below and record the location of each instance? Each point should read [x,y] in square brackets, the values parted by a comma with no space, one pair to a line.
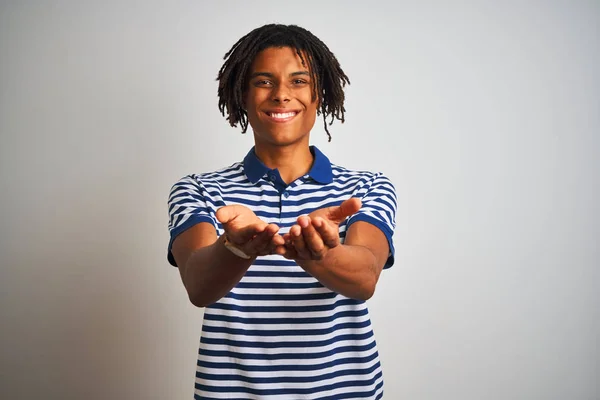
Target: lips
[281,116]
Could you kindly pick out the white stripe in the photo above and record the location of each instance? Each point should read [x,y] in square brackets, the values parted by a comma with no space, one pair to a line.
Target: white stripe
[290,291]
[278,279]
[295,374]
[288,362]
[302,385]
[291,350]
[276,303]
[311,314]
[281,327]
[284,339]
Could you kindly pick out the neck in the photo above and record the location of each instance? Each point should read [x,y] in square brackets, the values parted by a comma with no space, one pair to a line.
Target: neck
[292,162]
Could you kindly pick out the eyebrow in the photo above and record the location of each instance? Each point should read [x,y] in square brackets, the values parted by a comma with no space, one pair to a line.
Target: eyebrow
[270,75]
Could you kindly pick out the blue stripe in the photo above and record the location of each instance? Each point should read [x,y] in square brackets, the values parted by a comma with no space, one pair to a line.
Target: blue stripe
[286,356]
[385,199]
[274,262]
[226,174]
[193,220]
[286,309]
[288,379]
[282,297]
[295,391]
[283,345]
[357,395]
[183,206]
[295,321]
[367,218]
[214,191]
[277,274]
[197,397]
[287,368]
[286,332]
[376,210]
[344,191]
[278,285]
[257,201]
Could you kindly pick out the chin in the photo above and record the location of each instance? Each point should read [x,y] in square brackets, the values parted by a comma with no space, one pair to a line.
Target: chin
[281,142]
[280,138]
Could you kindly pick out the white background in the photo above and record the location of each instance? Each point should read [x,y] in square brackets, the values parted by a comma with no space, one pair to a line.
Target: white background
[484,114]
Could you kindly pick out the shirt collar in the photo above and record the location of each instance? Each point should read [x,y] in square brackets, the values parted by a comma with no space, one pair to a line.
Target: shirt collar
[320,170]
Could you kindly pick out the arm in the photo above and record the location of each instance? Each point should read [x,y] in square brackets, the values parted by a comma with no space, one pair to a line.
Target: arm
[353,268]
[208,269]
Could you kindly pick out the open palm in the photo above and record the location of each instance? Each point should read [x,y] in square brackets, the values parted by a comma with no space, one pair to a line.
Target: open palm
[253,235]
[316,233]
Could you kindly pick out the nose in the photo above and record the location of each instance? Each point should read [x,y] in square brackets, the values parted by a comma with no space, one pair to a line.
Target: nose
[280,94]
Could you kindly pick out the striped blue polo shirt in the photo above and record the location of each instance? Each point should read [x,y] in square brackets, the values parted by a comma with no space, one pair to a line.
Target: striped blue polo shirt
[279,333]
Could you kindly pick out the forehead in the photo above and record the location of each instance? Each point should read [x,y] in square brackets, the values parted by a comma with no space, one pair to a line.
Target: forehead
[278,58]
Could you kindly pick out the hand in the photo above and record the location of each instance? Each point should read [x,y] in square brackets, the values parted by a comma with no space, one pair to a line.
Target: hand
[317,233]
[251,234]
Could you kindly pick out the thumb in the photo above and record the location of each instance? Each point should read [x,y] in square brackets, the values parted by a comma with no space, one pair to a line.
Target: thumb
[240,223]
[227,214]
[344,210]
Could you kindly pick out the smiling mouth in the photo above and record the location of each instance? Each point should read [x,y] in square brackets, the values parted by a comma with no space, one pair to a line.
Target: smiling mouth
[281,117]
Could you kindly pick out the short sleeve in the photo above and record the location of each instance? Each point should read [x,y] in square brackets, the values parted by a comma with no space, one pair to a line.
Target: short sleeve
[187,207]
[379,204]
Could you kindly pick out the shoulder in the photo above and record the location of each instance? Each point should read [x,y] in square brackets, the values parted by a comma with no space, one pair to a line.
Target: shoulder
[222,176]
[360,177]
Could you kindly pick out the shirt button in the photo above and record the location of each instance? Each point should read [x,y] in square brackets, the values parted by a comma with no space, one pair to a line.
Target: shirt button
[271,177]
[286,194]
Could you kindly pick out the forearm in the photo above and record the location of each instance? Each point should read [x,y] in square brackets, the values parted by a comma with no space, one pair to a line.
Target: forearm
[349,270]
[211,272]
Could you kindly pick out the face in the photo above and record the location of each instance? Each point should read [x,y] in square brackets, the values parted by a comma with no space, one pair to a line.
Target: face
[279,99]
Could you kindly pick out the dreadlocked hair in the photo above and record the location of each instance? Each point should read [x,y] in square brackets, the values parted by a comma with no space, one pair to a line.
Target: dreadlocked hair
[328,77]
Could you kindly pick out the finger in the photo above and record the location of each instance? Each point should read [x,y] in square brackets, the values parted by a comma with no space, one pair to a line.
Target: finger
[287,250]
[286,237]
[289,253]
[289,243]
[313,241]
[280,250]
[329,232]
[243,235]
[347,208]
[304,221]
[278,240]
[275,242]
[240,223]
[261,243]
[299,244]
[226,214]
[295,231]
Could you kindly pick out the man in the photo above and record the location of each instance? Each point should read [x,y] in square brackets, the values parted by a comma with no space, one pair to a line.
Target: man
[283,248]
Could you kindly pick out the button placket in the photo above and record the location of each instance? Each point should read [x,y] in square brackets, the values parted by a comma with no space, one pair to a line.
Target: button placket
[283,199]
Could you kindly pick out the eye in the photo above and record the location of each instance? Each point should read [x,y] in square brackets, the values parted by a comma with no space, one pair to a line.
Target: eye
[263,82]
[299,82]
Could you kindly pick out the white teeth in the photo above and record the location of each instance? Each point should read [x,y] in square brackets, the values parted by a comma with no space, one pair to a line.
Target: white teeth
[283,115]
